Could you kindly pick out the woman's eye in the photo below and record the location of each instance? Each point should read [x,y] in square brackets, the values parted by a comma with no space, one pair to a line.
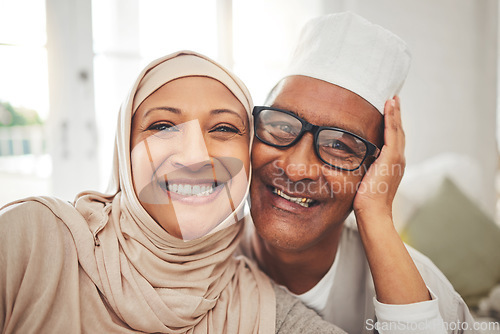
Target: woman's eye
[163,127]
[225,128]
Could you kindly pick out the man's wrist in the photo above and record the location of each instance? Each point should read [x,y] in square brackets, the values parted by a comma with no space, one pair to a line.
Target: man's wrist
[379,218]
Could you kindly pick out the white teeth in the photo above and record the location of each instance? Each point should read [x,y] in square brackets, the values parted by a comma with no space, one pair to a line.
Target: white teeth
[188,190]
[302,201]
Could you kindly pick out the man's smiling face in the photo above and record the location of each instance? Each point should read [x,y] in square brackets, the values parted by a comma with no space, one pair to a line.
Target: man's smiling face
[296,199]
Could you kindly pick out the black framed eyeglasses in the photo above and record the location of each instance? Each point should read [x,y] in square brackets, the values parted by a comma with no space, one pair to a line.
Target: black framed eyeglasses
[335,147]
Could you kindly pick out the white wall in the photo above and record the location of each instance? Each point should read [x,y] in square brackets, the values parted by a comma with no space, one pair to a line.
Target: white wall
[265,33]
[449,99]
[73,131]
[116,64]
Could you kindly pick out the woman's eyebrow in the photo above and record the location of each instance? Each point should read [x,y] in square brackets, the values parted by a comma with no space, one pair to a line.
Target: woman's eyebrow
[173,110]
[221,111]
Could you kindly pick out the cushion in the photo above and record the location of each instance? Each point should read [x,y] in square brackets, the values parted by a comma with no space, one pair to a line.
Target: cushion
[422,180]
[460,239]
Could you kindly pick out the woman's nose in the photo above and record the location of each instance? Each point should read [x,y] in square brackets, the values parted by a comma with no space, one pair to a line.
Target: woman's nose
[192,152]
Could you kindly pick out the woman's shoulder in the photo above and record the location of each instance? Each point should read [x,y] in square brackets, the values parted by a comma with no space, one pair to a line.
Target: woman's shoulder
[38,266]
[24,211]
[30,219]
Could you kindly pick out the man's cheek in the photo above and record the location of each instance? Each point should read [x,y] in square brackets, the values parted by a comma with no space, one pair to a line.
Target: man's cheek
[341,186]
[256,156]
[263,154]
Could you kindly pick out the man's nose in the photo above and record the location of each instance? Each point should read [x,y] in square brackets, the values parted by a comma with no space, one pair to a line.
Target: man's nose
[300,161]
[191,152]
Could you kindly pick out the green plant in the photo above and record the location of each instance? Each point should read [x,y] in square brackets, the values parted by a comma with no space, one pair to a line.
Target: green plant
[16,116]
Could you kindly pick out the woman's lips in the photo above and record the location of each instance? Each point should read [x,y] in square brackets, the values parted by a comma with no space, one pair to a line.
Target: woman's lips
[192,192]
[187,189]
[183,191]
[184,185]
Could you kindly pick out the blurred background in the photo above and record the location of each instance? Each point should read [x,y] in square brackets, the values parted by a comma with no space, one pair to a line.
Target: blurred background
[66,65]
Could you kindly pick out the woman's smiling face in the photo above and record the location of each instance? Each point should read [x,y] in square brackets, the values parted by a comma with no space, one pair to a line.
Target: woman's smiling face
[190,155]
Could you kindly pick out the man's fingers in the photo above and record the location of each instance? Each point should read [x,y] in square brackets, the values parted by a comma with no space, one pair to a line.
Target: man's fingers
[391,126]
[393,134]
[397,110]
[399,121]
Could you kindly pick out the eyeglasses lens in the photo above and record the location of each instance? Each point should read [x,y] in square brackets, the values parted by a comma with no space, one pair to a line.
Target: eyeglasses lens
[336,148]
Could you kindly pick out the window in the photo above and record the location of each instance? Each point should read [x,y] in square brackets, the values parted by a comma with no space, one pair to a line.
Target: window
[24,163]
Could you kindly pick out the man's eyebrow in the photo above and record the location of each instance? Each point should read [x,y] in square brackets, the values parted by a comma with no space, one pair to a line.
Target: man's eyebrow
[337,124]
[222,111]
[356,131]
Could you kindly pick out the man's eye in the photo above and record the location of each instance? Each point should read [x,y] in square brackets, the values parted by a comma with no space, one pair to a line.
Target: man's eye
[338,145]
[284,127]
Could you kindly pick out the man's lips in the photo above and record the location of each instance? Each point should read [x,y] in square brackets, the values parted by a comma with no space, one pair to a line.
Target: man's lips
[299,199]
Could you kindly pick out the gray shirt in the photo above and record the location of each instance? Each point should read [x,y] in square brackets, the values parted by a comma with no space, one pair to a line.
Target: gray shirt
[294,317]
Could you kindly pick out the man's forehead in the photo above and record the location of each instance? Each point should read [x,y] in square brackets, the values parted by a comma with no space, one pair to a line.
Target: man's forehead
[326,104]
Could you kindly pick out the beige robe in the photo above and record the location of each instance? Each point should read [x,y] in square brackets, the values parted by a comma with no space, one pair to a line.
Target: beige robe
[45,289]
[53,280]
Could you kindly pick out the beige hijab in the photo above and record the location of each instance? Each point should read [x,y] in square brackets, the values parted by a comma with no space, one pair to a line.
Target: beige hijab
[151,281]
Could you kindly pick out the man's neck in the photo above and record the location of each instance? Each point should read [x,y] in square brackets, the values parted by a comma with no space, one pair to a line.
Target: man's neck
[301,270]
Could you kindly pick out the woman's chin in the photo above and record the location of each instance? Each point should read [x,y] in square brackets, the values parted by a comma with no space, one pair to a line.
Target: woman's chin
[197,222]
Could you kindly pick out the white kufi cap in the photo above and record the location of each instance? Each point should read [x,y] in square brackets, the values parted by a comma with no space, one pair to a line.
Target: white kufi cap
[348,51]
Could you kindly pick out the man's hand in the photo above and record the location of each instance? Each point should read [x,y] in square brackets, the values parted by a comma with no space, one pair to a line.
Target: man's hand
[378,187]
[395,276]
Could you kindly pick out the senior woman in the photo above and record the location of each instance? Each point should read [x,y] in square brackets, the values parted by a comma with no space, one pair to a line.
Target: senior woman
[155,256]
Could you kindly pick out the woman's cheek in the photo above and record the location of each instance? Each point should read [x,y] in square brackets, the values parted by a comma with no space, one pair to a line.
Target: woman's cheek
[236,148]
[141,167]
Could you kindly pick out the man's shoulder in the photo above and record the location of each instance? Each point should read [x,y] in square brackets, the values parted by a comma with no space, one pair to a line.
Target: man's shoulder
[433,277]
[429,271]
[426,267]
[451,303]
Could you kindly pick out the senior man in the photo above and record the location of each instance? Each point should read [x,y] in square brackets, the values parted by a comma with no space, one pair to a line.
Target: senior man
[330,142]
